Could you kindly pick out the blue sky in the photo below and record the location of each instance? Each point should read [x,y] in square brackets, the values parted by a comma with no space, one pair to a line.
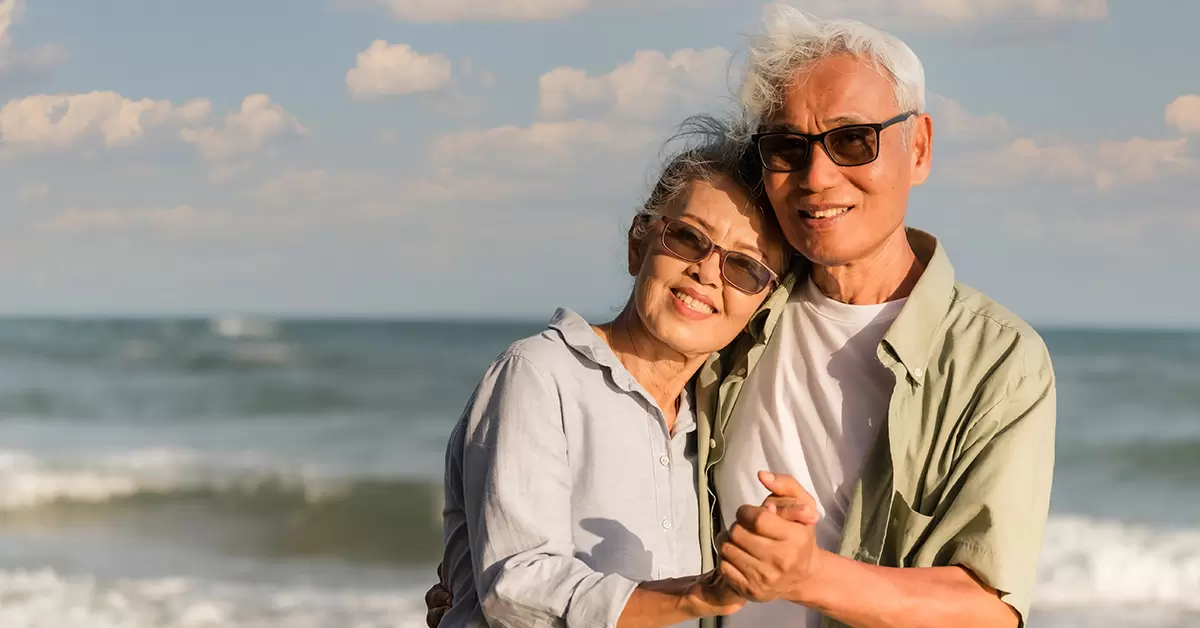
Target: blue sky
[480,158]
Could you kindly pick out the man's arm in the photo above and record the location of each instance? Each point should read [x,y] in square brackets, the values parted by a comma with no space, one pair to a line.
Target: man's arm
[977,562]
[869,596]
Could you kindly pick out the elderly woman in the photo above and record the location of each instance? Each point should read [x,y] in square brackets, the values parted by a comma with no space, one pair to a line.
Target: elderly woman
[571,477]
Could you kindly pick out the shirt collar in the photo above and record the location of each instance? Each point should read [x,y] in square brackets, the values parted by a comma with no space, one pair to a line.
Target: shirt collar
[911,335]
[763,322]
[578,334]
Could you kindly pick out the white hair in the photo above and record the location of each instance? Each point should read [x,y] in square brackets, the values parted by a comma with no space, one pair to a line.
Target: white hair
[793,41]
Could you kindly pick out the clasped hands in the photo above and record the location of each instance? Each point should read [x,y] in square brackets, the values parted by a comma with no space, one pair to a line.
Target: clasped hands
[769,554]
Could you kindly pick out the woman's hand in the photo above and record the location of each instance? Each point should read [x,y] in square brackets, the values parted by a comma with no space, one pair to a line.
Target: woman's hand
[438,600]
[710,595]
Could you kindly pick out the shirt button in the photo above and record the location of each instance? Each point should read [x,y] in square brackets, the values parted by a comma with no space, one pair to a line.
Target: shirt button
[664,461]
[666,524]
[918,372]
[741,372]
[712,443]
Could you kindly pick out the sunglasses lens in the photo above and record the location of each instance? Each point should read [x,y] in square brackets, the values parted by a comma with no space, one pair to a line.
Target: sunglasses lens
[686,242]
[852,146]
[746,273]
[783,153]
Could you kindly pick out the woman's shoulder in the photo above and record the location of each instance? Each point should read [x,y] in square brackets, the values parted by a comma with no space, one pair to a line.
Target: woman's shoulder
[549,351]
[556,348]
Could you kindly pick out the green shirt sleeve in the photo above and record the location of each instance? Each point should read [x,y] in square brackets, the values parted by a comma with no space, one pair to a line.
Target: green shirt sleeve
[998,496]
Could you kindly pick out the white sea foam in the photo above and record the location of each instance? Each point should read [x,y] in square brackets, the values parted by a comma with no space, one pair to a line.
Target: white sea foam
[28,481]
[1085,563]
[46,599]
[1088,563]
[233,326]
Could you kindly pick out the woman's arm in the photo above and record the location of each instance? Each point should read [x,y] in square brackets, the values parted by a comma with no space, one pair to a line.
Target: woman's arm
[517,497]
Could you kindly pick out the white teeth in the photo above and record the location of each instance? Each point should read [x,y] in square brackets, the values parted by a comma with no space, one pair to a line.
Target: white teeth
[693,304]
[827,213]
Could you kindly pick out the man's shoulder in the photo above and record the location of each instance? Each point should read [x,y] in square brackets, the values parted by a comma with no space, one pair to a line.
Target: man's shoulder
[978,321]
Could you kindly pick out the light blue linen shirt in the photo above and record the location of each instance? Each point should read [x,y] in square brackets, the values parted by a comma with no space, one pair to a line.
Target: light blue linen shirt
[564,488]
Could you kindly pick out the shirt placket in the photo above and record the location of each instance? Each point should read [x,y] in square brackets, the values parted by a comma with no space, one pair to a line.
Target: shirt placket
[659,446]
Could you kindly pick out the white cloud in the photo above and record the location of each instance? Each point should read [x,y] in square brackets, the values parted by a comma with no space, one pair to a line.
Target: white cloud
[41,58]
[587,120]
[248,130]
[1184,114]
[481,10]
[1104,166]
[62,121]
[927,12]
[948,13]
[952,118]
[396,69]
[543,145]
[648,86]
[33,192]
[73,121]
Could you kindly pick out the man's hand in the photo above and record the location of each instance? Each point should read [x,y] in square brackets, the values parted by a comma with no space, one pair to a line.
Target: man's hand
[438,600]
[765,556]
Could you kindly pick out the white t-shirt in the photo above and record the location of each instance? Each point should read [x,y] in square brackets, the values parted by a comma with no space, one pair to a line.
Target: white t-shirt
[812,408]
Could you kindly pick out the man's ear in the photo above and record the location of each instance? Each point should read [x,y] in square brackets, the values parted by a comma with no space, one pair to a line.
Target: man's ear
[922,148]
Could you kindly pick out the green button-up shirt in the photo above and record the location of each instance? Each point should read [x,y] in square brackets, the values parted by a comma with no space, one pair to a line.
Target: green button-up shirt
[961,473]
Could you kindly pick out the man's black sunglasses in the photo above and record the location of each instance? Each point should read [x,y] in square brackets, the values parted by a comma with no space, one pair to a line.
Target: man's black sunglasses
[850,145]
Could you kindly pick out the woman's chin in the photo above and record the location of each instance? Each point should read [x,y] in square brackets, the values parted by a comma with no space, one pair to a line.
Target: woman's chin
[685,337]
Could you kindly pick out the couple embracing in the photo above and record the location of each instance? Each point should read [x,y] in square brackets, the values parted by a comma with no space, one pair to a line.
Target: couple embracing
[799,418]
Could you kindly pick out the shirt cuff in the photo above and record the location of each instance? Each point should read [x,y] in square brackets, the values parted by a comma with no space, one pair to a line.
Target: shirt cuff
[600,606]
[984,564]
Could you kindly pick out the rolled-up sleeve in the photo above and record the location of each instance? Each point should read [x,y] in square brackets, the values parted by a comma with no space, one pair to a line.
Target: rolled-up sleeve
[995,522]
[517,497]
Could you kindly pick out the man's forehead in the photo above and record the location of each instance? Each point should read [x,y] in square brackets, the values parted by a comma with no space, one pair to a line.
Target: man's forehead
[836,96]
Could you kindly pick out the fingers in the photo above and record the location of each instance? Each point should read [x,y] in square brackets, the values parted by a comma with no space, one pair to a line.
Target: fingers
[747,552]
[760,547]
[434,617]
[763,522]
[783,485]
[734,577]
[438,597]
[790,510]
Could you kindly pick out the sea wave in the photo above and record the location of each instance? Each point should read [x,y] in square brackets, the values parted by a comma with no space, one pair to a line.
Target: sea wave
[269,512]
[1085,562]
[1088,563]
[234,326]
[48,599]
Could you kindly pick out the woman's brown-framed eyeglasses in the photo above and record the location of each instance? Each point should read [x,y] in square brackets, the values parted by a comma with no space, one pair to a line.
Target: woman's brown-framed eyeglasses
[739,270]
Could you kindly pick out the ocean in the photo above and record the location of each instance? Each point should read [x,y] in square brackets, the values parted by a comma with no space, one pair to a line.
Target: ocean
[241,472]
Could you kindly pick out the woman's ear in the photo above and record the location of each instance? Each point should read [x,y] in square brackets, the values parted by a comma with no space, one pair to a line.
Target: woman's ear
[636,243]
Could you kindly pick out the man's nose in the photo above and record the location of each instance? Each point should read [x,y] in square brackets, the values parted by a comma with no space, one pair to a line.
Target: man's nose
[821,173]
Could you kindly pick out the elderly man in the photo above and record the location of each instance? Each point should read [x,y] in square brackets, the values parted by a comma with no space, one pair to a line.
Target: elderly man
[915,411]
[918,412]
